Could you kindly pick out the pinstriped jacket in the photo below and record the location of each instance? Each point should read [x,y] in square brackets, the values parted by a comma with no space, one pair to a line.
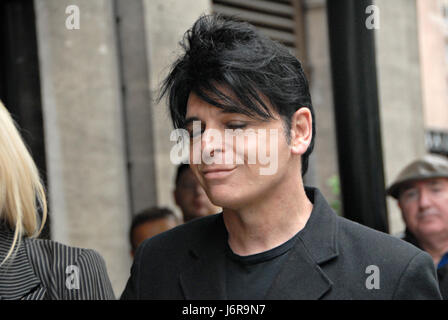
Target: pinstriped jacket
[48,270]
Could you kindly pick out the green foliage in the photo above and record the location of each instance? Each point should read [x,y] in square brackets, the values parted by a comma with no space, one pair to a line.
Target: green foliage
[333,183]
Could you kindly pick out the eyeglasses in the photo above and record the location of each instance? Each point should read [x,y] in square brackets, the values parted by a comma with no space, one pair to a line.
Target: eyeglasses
[413,194]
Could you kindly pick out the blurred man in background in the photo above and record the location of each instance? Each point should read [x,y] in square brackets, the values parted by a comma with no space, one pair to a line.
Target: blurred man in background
[421,190]
[190,196]
[149,223]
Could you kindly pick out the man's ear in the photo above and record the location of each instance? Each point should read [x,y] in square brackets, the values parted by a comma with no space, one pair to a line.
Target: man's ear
[176,200]
[301,130]
[400,205]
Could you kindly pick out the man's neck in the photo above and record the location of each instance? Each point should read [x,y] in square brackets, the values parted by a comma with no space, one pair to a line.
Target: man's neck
[436,246]
[267,224]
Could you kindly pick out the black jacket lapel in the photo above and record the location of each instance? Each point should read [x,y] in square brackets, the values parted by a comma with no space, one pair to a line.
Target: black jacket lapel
[302,278]
[205,277]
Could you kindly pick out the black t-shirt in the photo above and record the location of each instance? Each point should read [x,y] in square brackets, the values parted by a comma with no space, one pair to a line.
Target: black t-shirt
[250,277]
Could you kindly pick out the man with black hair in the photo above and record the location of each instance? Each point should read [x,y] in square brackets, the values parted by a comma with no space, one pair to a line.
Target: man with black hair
[148,223]
[275,239]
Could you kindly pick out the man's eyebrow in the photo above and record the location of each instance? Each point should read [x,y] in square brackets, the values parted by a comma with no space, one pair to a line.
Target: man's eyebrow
[407,188]
[229,111]
[234,110]
[434,182]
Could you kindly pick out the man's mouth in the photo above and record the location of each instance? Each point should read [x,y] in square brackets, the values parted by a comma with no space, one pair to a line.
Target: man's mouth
[427,214]
[217,172]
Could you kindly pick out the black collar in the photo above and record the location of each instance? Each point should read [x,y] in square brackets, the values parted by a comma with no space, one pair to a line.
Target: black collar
[320,232]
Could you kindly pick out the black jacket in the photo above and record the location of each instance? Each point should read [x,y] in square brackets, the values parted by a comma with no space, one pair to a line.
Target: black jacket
[442,273]
[330,260]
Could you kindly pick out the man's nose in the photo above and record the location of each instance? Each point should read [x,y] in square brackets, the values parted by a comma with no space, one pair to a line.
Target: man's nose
[212,142]
[211,137]
[424,199]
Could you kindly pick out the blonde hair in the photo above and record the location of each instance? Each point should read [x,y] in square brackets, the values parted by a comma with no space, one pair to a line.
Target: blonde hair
[21,189]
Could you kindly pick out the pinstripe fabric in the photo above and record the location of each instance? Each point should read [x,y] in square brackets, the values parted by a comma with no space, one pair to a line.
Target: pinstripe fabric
[44,269]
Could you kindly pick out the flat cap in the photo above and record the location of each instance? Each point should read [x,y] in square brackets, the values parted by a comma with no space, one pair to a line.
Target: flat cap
[430,166]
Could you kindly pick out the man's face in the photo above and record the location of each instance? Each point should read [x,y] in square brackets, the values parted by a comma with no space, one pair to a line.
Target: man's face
[191,197]
[150,229]
[233,185]
[424,206]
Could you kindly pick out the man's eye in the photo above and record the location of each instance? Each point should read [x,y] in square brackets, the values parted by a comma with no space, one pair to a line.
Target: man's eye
[436,189]
[194,133]
[236,125]
[410,194]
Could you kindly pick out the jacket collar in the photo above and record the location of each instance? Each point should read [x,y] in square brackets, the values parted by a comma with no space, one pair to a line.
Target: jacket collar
[300,278]
[320,232]
[18,266]
[205,279]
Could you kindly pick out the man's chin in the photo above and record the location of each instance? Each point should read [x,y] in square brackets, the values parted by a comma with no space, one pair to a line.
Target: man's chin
[431,230]
[198,214]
